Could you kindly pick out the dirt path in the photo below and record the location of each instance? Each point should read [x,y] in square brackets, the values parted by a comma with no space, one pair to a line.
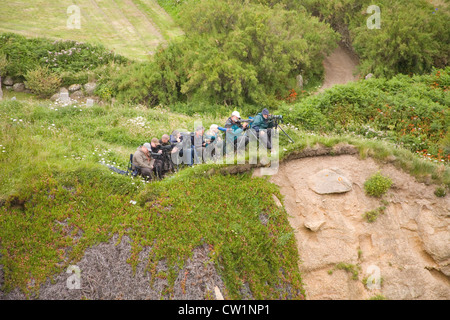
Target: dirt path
[407,247]
[340,67]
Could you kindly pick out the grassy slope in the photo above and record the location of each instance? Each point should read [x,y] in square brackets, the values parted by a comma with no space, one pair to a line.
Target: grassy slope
[130,27]
[56,200]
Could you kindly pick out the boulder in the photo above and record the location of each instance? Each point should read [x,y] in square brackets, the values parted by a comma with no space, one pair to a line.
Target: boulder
[19,87]
[74,87]
[64,96]
[77,95]
[89,88]
[54,97]
[433,231]
[314,225]
[8,81]
[329,181]
[63,90]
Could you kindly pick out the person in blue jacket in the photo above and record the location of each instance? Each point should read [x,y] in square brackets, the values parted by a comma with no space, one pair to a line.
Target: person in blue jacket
[236,130]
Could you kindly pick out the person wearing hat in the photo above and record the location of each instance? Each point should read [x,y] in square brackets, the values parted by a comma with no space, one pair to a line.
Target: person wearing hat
[214,143]
[143,160]
[236,130]
[262,125]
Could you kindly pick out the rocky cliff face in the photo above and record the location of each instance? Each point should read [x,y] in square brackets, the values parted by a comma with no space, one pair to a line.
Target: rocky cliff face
[404,254]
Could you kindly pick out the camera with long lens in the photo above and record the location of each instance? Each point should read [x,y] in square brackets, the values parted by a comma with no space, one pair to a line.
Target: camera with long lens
[277,118]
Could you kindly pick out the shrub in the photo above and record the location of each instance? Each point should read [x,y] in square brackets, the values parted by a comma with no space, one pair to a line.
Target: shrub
[410,111]
[59,56]
[372,215]
[42,81]
[440,192]
[413,37]
[377,185]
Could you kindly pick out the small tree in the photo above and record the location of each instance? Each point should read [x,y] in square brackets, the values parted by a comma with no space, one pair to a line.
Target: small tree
[3,65]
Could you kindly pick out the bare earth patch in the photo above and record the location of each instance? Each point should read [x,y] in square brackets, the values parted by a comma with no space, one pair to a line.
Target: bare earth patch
[340,68]
[408,244]
[106,275]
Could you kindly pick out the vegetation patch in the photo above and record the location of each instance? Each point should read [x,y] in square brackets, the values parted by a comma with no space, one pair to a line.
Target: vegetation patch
[377,185]
[411,112]
[440,192]
[61,200]
[348,267]
[372,215]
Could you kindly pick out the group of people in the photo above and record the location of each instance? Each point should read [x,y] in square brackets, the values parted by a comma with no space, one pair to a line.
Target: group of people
[157,157]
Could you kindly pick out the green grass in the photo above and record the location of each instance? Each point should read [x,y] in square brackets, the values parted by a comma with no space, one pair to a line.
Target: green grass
[129,27]
[56,200]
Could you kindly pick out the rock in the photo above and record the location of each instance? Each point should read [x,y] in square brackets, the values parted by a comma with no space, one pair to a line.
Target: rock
[89,88]
[277,201]
[19,87]
[219,295]
[300,81]
[89,102]
[370,75]
[9,88]
[74,87]
[64,96]
[329,181]
[314,225]
[8,81]
[54,97]
[433,232]
[63,90]
[77,95]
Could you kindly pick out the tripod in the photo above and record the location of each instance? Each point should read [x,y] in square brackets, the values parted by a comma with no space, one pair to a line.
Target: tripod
[277,120]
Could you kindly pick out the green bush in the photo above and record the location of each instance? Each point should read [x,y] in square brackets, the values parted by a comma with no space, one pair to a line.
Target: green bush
[440,192]
[42,81]
[413,37]
[233,54]
[59,56]
[377,185]
[372,215]
[409,111]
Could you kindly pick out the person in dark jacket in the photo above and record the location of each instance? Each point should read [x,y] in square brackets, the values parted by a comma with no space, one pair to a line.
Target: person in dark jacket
[155,148]
[262,125]
[166,159]
[142,159]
